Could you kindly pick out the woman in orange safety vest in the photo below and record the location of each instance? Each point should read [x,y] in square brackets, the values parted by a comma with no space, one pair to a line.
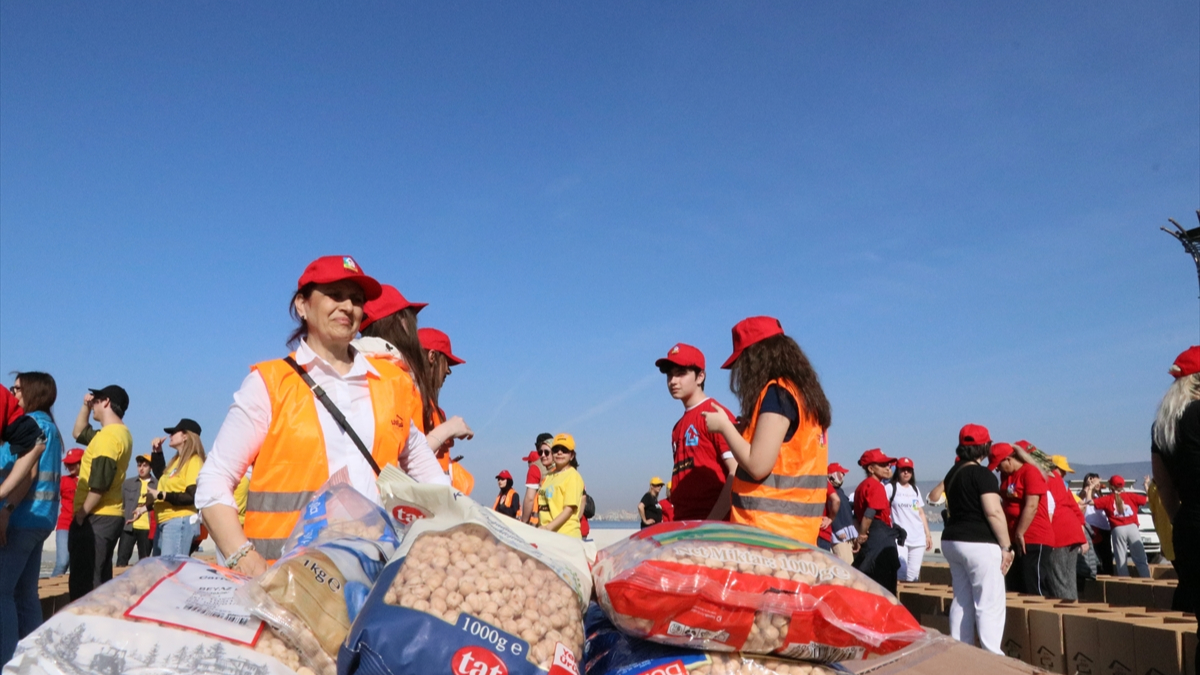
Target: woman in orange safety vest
[440,359]
[782,453]
[507,502]
[277,426]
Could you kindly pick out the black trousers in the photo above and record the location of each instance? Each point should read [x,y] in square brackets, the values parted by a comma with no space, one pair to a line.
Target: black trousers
[1186,537]
[91,546]
[1031,573]
[1102,541]
[125,546]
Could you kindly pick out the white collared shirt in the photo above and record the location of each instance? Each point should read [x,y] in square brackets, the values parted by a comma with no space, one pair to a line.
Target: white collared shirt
[245,428]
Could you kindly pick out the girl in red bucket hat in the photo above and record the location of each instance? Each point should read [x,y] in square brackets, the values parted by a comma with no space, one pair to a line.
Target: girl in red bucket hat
[1175,456]
[782,453]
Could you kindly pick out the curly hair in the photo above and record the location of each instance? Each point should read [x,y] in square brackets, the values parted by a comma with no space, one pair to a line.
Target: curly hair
[778,357]
[400,329]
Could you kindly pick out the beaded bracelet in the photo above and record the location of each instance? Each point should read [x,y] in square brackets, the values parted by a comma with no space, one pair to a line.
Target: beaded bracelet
[232,561]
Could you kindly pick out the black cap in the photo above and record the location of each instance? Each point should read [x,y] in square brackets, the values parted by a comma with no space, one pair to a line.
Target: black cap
[113,394]
[184,425]
[543,438]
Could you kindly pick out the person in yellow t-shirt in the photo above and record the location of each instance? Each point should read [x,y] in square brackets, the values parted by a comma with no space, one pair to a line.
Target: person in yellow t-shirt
[99,503]
[560,496]
[175,498]
[137,514]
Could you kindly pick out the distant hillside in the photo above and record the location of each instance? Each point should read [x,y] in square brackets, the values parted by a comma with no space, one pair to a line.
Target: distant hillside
[1129,470]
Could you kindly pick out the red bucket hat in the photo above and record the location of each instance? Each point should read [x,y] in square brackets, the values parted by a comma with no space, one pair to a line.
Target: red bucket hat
[389,302]
[331,268]
[749,331]
[682,355]
[434,340]
[875,456]
[1187,363]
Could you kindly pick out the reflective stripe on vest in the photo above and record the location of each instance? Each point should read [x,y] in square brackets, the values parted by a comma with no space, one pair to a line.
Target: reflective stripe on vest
[789,501]
[292,464]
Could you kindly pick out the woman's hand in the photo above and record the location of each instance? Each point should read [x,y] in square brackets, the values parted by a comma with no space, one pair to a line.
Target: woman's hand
[252,564]
[156,444]
[458,428]
[928,541]
[715,419]
[1006,561]
[152,493]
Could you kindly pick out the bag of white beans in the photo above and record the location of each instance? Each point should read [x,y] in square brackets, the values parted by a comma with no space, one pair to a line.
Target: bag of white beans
[167,616]
[727,587]
[608,651]
[469,592]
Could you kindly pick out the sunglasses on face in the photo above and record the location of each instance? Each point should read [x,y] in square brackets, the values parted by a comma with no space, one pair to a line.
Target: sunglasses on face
[543,453]
[561,451]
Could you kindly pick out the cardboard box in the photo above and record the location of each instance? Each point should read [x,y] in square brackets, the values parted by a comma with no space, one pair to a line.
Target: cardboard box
[937,574]
[1159,646]
[1081,640]
[1190,645]
[1046,646]
[1091,590]
[940,656]
[1163,594]
[938,622]
[1115,648]
[921,601]
[1163,572]
[1015,643]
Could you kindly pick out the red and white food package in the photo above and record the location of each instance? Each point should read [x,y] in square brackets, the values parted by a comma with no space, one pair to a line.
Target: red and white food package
[727,587]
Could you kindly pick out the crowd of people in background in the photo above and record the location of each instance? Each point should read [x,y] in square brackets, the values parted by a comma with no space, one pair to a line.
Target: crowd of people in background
[361,391]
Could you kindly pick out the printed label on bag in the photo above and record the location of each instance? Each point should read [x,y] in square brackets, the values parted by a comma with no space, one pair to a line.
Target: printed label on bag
[199,598]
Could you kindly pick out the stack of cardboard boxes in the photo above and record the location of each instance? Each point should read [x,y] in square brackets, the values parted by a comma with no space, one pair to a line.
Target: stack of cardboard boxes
[1124,628]
[54,595]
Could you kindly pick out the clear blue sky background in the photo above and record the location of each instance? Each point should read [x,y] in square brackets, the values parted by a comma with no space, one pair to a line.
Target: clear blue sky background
[953,208]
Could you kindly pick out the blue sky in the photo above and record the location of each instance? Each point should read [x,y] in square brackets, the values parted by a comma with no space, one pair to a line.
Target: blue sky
[953,209]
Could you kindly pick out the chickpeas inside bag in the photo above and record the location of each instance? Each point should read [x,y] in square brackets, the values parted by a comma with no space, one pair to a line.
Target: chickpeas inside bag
[727,587]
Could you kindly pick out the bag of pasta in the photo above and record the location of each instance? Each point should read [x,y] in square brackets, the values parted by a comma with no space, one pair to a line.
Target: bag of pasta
[469,591]
[168,616]
[727,587]
[314,592]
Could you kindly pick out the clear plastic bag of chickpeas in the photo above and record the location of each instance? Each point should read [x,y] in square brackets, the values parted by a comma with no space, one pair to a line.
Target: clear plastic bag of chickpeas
[469,591]
[167,616]
[726,587]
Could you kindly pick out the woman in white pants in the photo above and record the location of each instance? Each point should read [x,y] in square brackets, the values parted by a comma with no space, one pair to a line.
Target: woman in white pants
[908,512]
[975,543]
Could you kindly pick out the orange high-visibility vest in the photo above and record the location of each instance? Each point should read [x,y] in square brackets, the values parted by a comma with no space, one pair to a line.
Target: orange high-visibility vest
[791,499]
[507,501]
[292,464]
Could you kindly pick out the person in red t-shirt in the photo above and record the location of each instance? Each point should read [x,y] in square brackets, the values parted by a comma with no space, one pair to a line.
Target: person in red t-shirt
[1070,537]
[877,556]
[668,509]
[533,477]
[1023,493]
[703,463]
[66,492]
[1121,507]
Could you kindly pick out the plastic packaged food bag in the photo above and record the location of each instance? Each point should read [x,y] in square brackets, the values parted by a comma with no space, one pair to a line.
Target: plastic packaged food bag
[469,592]
[726,587]
[608,651]
[166,616]
[313,593]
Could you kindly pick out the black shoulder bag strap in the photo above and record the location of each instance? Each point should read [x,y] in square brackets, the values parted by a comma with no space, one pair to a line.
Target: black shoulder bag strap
[333,410]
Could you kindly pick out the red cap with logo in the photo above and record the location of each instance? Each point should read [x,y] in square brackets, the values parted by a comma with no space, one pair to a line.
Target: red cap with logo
[837,468]
[1000,452]
[75,456]
[904,463]
[749,331]
[684,356]
[1117,482]
[389,302]
[331,268]
[1187,363]
[531,457]
[875,456]
[434,340]
[504,474]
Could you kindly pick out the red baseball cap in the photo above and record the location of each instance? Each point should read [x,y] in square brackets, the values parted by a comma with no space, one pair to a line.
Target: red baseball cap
[504,474]
[331,268]
[1000,452]
[875,456]
[974,434]
[837,468]
[749,331]
[75,456]
[904,463]
[1187,363]
[684,356]
[531,457]
[435,340]
[389,302]
[1117,482]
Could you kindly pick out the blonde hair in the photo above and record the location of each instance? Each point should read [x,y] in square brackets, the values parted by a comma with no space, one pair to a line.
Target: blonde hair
[192,447]
[1182,392]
